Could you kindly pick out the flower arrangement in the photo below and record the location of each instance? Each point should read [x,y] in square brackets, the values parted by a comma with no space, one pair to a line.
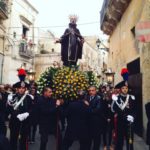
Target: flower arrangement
[65,82]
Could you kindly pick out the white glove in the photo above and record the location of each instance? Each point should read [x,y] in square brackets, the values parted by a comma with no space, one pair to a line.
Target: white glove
[130,118]
[26,115]
[19,116]
[22,116]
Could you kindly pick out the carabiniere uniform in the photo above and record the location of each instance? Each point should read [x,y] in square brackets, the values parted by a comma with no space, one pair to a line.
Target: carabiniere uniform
[124,106]
[19,117]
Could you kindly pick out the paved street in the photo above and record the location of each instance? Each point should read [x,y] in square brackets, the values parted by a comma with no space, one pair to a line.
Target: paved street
[138,145]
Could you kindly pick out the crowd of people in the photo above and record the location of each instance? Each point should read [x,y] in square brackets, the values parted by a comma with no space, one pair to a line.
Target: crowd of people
[98,118]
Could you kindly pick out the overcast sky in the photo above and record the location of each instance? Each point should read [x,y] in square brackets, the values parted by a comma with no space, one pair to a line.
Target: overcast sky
[55,13]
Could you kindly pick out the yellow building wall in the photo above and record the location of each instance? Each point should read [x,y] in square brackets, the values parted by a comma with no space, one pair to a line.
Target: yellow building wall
[123,47]
[145,61]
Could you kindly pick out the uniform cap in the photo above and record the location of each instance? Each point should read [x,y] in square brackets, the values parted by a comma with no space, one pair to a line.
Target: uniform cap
[121,84]
[20,84]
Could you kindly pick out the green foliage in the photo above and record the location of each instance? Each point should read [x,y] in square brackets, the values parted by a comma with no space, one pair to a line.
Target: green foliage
[46,78]
[92,80]
[66,81]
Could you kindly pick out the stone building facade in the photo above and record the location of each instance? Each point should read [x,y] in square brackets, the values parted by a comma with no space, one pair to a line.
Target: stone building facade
[4,16]
[43,61]
[46,42]
[94,58]
[20,41]
[118,20]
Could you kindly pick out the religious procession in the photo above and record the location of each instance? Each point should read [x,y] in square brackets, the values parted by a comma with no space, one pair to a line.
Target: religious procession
[72,94]
[93,115]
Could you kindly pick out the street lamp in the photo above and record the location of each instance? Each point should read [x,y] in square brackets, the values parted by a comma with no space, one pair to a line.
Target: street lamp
[31,75]
[99,42]
[110,77]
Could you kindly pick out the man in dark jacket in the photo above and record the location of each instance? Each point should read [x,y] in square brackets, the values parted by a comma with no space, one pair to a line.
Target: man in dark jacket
[33,115]
[48,118]
[4,143]
[77,113]
[95,121]
[108,121]
[3,110]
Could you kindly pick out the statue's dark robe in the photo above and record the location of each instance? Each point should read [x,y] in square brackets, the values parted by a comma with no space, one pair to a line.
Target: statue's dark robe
[71,45]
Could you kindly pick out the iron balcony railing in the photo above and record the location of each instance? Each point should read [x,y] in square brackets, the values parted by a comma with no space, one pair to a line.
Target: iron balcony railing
[24,50]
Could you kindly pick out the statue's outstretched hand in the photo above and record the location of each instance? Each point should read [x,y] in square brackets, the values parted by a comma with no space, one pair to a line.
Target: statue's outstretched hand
[57,41]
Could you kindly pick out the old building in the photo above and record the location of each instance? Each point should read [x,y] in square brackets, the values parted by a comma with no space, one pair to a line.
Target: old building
[94,58]
[48,53]
[21,40]
[4,15]
[119,19]
[46,42]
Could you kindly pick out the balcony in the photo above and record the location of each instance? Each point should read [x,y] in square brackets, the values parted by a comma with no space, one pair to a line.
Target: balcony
[25,50]
[111,13]
[3,9]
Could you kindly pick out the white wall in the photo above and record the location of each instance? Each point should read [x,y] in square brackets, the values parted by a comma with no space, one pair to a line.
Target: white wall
[13,60]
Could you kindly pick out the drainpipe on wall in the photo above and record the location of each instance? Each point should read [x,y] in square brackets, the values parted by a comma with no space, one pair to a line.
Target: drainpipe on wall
[2,65]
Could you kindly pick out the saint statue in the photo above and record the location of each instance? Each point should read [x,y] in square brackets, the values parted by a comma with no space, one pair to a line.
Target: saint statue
[71,43]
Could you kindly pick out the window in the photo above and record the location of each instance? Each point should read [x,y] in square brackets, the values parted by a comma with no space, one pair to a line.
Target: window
[133,31]
[14,34]
[24,31]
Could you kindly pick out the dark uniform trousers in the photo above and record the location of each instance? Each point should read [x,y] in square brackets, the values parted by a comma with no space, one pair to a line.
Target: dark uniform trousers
[124,127]
[19,130]
[124,131]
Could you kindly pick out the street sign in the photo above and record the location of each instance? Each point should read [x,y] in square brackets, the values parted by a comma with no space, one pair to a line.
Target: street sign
[142,31]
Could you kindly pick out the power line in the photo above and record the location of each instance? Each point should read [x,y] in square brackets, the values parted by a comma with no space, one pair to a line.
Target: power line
[60,26]
[32,36]
[46,38]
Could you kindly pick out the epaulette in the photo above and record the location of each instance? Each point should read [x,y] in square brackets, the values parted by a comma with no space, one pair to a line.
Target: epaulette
[132,97]
[114,97]
[31,96]
[10,96]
